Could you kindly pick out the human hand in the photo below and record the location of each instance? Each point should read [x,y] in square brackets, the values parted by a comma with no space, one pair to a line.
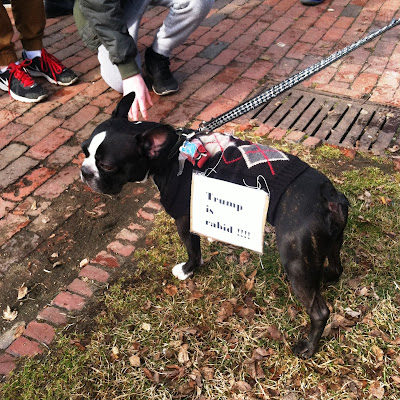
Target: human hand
[142,96]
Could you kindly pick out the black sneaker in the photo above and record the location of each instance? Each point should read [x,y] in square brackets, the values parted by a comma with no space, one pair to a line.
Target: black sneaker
[20,84]
[51,68]
[311,2]
[157,67]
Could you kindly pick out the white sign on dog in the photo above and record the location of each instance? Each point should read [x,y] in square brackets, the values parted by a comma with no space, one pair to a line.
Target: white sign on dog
[228,212]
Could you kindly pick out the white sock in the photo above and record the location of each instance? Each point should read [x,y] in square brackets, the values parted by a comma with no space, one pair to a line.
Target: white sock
[31,54]
[5,68]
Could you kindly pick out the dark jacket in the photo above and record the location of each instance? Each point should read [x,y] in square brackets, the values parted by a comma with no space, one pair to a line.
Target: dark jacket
[103,22]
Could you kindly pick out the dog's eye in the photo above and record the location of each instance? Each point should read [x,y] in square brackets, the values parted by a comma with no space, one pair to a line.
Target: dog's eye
[106,167]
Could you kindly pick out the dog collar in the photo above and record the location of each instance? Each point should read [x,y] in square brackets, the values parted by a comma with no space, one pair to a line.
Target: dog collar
[183,135]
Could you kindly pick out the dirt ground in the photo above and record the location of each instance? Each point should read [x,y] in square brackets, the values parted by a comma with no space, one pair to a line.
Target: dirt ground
[55,263]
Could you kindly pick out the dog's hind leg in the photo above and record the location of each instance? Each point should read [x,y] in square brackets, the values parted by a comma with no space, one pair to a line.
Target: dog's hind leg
[332,272]
[192,243]
[304,271]
[318,312]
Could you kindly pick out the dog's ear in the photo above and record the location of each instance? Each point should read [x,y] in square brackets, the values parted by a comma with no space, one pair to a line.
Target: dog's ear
[155,139]
[123,106]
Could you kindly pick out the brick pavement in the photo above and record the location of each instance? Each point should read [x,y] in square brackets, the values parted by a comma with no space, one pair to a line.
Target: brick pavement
[241,47]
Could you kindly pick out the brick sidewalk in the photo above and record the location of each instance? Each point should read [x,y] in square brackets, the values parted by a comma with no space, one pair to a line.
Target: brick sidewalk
[242,47]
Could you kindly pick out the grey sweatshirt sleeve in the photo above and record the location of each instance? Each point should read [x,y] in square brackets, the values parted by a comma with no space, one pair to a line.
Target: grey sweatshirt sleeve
[107,18]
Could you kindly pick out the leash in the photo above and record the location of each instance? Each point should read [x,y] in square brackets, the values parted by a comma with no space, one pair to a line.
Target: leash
[249,105]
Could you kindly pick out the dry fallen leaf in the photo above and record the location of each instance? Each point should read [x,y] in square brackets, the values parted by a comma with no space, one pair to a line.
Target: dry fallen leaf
[175,371]
[292,311]
[83,263]
[385,200]
[146,305]
[349,153]
[186,388]
[114,353]
[22,291]
[9,315]
[225,312]
[195,292]
[249,280]
[339,321]
[253,365]
[363,292]
[171,290]
[183,355]
[78,344]
[244,257]
[134,361]
[208,373]
[377,390]
[187,330]
[351,313]
[196,376]
[196,295]
[215,253]
[149,375]
[396,163]
[396,380]
[146,326]
[245,312]
[398,361]
[19,331]
[378,353]
[241,386]
[272,332]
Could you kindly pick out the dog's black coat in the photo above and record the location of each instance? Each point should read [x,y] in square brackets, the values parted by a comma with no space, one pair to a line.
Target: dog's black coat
[309,217]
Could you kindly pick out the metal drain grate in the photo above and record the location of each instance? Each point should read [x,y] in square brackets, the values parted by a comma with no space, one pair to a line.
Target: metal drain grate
[347,123]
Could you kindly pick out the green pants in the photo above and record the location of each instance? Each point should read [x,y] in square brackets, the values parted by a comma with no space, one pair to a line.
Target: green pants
[30,21]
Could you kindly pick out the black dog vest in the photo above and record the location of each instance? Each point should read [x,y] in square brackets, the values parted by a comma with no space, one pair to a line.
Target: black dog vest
[233,160]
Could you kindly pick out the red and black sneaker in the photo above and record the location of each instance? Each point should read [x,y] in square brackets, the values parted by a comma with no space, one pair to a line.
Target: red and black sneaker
[51,68]
[16,81]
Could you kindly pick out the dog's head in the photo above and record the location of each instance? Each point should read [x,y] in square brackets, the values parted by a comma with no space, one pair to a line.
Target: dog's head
[119,151]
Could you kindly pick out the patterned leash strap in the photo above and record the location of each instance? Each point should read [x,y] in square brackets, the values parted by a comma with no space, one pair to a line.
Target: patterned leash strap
[275,90]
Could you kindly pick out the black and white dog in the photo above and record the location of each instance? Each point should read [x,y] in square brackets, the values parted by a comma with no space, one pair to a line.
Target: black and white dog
[308,213]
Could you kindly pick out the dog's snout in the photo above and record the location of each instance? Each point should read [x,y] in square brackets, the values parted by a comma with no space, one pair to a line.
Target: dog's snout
[87,173]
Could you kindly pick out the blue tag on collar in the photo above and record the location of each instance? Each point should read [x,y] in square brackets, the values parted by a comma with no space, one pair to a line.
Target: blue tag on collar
[188,148]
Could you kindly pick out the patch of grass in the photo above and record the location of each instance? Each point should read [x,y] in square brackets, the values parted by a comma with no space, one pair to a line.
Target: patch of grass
[227,333]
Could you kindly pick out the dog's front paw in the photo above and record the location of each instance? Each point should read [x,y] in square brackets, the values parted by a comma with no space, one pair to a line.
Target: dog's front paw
[178,272]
